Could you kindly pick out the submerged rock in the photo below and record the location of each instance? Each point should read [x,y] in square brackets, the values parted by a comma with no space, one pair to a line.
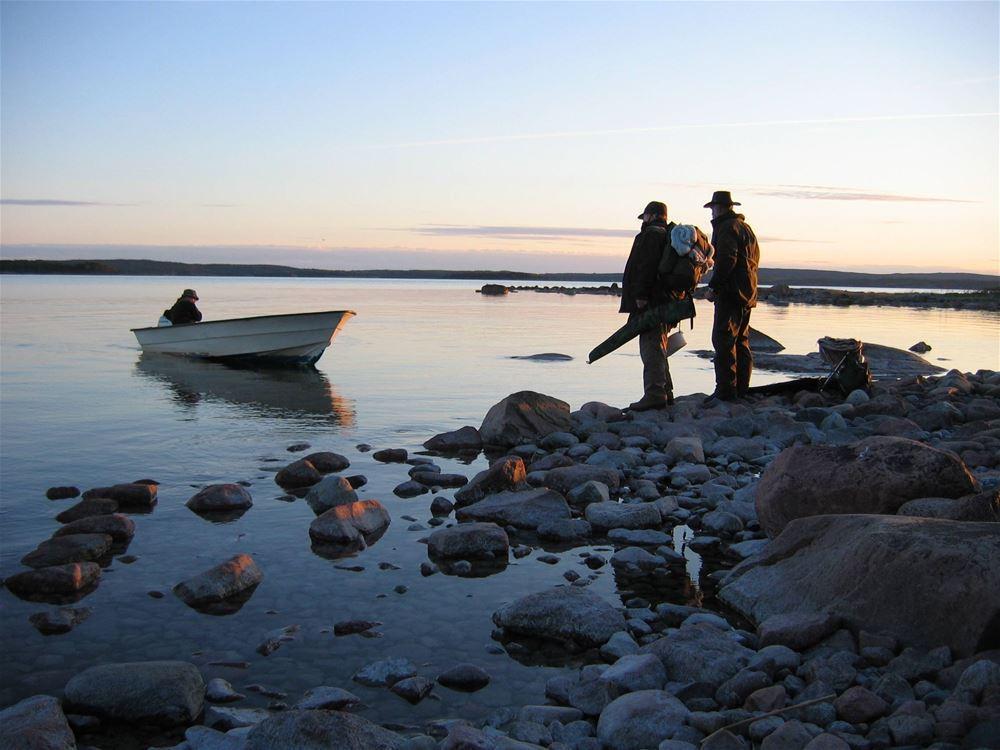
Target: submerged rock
[562,613]
[70,581]
[59,621]
[235,578]
[61,493]
[385,672]
[463,439]
[883,574]
[299,473]
[120,528]
[469,541]
[217,498]
[523,417]
[36,723]
[161,693]
[69,549]
[95,506]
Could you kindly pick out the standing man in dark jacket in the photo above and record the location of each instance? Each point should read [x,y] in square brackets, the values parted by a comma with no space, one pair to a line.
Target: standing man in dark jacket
[733,289]
[184,310]
[640,289]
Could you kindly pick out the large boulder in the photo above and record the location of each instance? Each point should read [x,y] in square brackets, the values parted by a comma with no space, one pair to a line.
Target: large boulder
[504,474]
[525,510]
[235,578]
[162,693]
[330,492]
[220,498]
[57,582]
[469,541]
[640,720]
[929,582]
[612,515]
[36,723]
[94,506]
[355,524]
[524,417]
[68,549]
[297,474]
[464,439]
[564,478]
[875,475]
[982,507]
[132,495]
[562,613]
[700,652]
[119,527]
[321,730]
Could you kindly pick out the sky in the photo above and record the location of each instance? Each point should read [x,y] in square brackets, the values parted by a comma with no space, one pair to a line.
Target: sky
[515,136]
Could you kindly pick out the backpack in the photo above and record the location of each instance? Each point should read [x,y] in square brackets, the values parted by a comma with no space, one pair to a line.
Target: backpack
[688,241]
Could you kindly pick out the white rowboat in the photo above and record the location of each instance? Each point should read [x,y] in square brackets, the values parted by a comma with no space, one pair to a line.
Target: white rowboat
[293,339]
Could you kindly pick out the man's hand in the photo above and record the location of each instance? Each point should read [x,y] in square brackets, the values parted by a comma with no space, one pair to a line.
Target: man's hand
[710,295]
[641,304]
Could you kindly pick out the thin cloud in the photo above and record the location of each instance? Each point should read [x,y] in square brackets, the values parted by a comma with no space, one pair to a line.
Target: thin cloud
[499,138]
[517,232]
[55,202]
[826,193]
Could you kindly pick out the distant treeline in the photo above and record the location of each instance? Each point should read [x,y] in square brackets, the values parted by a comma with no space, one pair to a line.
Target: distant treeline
[768,276]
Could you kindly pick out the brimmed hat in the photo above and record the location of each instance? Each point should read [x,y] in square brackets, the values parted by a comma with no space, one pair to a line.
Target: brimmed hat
[721,198]
[190,293]
[654,207]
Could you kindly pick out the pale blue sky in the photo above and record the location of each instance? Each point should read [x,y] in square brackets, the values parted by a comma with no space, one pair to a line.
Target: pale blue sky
[522,136]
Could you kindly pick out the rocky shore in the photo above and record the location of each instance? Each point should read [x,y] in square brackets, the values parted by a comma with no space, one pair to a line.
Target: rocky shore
[782,294]
[856,604]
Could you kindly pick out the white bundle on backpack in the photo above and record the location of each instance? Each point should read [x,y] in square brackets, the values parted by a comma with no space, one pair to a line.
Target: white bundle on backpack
[687,240]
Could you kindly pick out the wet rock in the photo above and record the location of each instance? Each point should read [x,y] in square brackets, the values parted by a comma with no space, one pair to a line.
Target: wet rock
[321,730]
[700,652]
[35,723]
[357,481]
[67,580]
[461,440]
[921,347]
[299,473]
[792,735]
[984,507]
[59,621]
[527,509]
[440,479]
[565,478]
[504,474]
[640,720]
[235,578]
[441,506]
[642,537]
[227,718]
[409,489]
[68,549]
[390,455]
[840,565]
[797,630]
[465,677]
[562,613]
[130,495]
[413,689]
[875,475]
[348,525]
[326,462]
[333,698]
[61,493]
[274,639]
[634,672]
[161,693]
[385,672]
[859,705]
[120,528]
[524,417]
[469,541]
[95,506]
[589,492]
[220,498]
[330,492]
[219,690]
[564,530]
[612,515]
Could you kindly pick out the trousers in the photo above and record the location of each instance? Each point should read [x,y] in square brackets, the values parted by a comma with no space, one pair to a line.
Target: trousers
[656,381]
[730,339]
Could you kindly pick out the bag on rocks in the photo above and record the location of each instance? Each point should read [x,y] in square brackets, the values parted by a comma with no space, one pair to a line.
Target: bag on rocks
[850,368]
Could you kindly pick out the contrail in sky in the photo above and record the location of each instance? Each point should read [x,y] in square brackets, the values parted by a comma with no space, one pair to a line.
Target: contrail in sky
[689,126]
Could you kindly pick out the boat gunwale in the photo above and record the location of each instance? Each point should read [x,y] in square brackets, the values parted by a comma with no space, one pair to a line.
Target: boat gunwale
[252,317]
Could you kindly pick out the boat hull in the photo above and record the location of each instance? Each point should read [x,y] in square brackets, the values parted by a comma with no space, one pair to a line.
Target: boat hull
[296,339]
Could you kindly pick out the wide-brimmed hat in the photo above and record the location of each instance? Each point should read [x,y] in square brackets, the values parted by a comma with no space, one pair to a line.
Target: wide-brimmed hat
[654,207]
[190,293]
[721,198]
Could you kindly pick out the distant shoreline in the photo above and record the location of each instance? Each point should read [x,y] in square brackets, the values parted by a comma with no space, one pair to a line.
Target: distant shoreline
[768,276]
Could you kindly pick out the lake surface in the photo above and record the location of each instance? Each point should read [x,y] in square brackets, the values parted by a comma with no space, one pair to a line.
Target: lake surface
[80,406]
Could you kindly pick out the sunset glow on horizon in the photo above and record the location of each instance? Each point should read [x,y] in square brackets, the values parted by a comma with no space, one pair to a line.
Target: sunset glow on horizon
[525,137]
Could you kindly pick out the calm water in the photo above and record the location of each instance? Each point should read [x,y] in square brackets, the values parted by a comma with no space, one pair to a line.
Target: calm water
[78,405]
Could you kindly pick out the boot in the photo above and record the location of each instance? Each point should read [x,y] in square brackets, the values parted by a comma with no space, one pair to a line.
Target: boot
[648,402]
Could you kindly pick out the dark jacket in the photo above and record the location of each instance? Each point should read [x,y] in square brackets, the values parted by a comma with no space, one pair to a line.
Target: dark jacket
[183,311]
[639,281]
[736,260]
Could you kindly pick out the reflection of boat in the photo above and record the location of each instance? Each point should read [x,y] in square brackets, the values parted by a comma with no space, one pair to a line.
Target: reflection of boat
[272,392]
[298,338]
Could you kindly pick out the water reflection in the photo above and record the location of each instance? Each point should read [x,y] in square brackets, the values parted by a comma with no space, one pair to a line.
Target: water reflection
[271,392]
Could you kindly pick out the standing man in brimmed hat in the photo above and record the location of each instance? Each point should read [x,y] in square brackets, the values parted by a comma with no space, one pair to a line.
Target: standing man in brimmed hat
[641,290]
[733,289]
[184,310]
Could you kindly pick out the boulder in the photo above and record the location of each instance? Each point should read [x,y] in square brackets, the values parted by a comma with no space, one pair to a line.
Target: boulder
[120,528]
[524,417]
[36,723]
[982,507]
[236,577]
[457,441]
[326,462]
[562,613]
[95,506]
[333,698]
[465,677]
[299,473]
[68,549]
[130,495]
[700,652]
[905,576]
[761,342]
[330,492]
[220,498]
[355,524]
[612,515]
[634,672]
[640,720]
[321,730]
[875,475]
[61,493]
[390,455]
[503,475]
[526,509]
[566,478]
[469,541]
[161,693]
[70,581]
[59,621]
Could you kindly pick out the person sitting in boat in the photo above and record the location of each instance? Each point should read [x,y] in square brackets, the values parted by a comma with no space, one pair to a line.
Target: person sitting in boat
[184,310]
